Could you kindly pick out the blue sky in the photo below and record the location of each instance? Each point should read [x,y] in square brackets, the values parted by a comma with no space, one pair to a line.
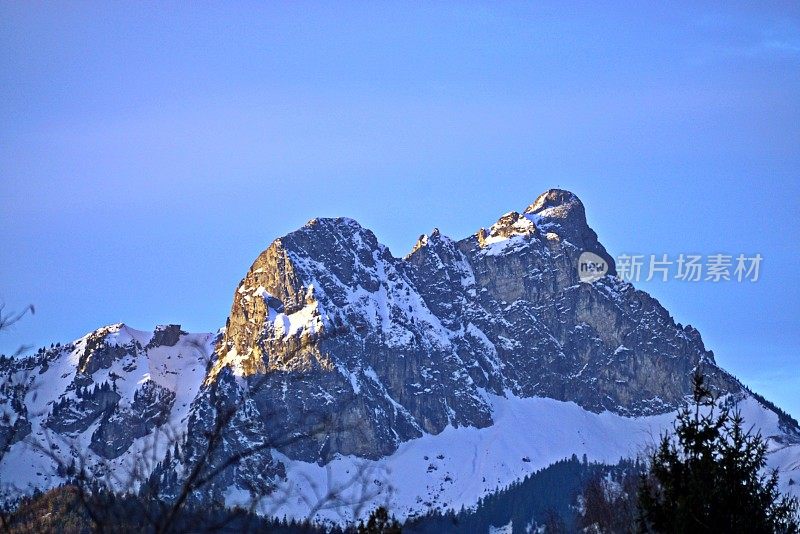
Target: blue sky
[149,152]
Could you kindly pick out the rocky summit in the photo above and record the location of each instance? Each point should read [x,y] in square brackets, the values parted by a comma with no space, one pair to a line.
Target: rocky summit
[438,365]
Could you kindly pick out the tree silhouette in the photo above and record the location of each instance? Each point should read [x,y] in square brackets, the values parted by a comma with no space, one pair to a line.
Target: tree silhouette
[379,522]
[710,476]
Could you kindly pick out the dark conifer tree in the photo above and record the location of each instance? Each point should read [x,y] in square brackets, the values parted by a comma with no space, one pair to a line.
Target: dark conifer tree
[379,522]
[710,476]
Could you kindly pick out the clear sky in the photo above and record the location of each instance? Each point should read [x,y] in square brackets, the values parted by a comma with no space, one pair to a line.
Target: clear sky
[149,152]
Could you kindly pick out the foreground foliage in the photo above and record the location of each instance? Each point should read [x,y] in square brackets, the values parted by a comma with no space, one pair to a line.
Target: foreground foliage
[70,510]
[710,476]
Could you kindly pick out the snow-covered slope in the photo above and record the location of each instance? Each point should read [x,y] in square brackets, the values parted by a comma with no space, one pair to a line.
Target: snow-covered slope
[114,399]
[460,465]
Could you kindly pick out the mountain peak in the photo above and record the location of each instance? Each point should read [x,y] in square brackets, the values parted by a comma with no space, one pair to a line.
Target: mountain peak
[559,208]
[561,212]
[334,222]
[556,203]
[425,239]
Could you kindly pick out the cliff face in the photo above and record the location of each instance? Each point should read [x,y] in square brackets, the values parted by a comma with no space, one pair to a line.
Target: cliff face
[401,347]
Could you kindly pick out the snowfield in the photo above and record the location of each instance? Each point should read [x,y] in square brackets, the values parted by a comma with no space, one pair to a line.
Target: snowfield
[460,465]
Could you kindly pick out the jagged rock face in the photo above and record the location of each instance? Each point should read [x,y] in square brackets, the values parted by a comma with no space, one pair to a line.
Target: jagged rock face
[166,336]
[400,347]
[122,425]
[73,415]
[561,212]
[247,429]
[330,305]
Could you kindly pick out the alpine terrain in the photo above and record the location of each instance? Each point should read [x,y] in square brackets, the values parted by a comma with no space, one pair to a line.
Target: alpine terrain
[422,382]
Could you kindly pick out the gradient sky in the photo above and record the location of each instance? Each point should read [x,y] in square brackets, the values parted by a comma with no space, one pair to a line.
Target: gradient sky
[149,152]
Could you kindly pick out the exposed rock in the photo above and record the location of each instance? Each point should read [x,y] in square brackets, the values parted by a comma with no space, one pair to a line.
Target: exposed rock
[400,347]
[75,414]
[150,409]
[166,336]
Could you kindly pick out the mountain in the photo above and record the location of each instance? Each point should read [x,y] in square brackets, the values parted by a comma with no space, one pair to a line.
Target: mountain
[443,375]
